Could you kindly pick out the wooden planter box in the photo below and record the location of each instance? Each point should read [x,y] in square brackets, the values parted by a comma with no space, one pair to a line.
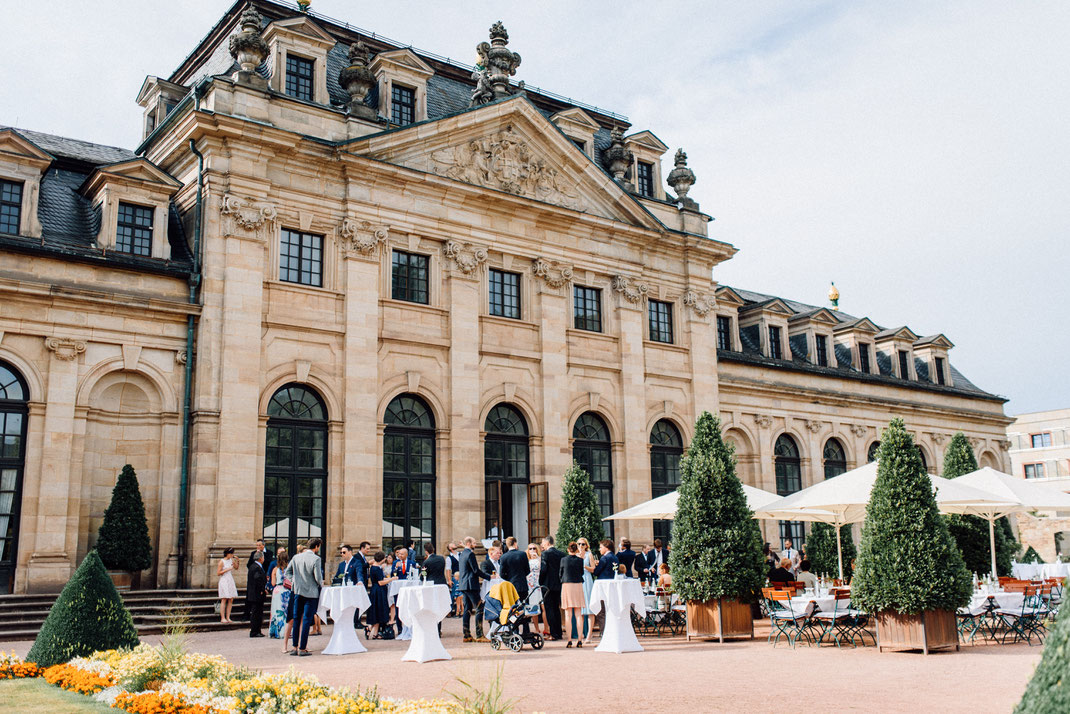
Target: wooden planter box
[718,619]
[930,630]
[121,579]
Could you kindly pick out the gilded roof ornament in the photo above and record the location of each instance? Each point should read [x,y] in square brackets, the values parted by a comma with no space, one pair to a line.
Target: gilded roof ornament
[494,66]
[834,296]
[681,179]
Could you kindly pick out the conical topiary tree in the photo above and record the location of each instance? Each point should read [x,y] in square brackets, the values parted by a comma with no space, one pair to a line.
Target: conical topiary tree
[580,516]
[971,532]
[908,562]
[1048,692]
[821,550]
[88,616]
[123,538]
[716,544]
[1031,556]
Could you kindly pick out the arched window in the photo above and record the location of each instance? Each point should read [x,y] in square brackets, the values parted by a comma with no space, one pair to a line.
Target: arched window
[788,481]
[13,418]
[666,449]
[835,458]
[871,455]
[295,468]
[924,461]
[505,470]
[408,473]
[590,449]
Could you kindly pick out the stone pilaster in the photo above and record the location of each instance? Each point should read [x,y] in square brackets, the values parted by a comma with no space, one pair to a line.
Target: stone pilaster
[632,478]
[554,292]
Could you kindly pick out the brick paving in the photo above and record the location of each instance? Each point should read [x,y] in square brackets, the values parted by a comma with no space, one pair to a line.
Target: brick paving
[672,675]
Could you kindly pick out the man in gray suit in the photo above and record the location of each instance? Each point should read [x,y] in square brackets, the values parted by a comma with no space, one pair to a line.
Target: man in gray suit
[306,573]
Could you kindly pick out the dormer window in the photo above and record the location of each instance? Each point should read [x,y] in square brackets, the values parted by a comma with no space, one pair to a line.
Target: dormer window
[775,349]
[402,105]
[863,357]
[724,332]
[299,75]
[821,350]
[133,233]
[904,364]
[10,206]
[580,144]
[938,367]
[644,179]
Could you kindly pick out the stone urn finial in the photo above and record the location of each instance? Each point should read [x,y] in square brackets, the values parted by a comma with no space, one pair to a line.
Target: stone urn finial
[248,47]
[496,63]
[358,80]
[681,179]
[617,158]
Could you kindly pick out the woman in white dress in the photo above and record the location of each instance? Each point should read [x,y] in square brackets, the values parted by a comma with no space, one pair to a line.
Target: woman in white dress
[227,589]
[535,601]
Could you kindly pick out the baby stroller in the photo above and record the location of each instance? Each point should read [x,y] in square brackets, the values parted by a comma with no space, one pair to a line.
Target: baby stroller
[510,632]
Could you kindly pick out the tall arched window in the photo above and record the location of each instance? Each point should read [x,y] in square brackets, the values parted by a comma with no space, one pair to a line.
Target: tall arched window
[408,473]
[590,449]
[871,455]
[505,470]
[666,448]
[924,461]
[835,458]
[788,481]
[295,468]
[13,418]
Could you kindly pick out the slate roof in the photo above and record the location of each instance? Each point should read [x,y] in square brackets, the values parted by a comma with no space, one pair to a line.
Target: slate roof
[69,223]
[751,352]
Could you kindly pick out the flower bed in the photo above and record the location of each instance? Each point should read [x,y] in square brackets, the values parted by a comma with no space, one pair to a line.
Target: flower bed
[166,680]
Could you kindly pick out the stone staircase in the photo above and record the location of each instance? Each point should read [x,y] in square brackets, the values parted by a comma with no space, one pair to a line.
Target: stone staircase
[21,616]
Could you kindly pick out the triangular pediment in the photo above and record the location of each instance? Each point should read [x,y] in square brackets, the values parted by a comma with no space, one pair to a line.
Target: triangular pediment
[821,315]
[897,333]
[862,324]
[773,305]
[728,296]
[510,147]
[647,139]
[937,340]
[139,169]
[15,144]
[301,25]
[405,58]
[575,116]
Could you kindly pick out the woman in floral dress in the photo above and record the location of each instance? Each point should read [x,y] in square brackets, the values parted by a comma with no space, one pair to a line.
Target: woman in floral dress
[280,597]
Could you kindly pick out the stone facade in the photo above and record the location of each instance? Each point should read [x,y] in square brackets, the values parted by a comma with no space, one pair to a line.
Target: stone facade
[513,184]
[1039,449]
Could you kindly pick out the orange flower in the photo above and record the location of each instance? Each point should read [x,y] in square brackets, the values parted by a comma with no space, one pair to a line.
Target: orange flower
[157,703]
[76,680]
[19,670]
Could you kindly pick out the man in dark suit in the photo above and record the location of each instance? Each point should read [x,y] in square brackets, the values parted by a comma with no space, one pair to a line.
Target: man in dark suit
[470,575]
[515,569]
[492,564]
[626,556]
[254,594]
[403,564]
[349,569]
[656,557]
[434,565]
[550,578]
[258,549]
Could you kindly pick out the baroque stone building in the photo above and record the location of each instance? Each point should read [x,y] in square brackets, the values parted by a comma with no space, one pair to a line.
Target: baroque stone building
[351,289]
[1040,451]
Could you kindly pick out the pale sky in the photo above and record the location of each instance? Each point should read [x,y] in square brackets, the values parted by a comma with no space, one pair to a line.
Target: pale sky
[917,153]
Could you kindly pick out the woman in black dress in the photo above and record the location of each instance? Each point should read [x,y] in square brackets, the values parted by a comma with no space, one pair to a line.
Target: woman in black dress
[379,611]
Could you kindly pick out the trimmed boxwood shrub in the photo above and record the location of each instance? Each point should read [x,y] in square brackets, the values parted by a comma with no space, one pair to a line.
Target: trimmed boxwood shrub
[580,515]
[1031,556]
[716,544]
[908,562]
[1048,692]
[88,616]
[821,550]
[123,538]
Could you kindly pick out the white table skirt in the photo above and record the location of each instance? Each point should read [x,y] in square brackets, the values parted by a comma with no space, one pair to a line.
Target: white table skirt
[809,604]
[343,603]
[393,589]
[424,607]
[1008,601]
[1038,571]
[618,597]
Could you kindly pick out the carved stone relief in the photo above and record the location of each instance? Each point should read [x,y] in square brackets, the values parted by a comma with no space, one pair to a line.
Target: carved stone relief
[938,439]
[465,256]
[632,292]
[813,426]
[859,430]
[763,420]
[244,214]
[554,275]
[360,237]
[1004,444]
[504,161]
[64,348]
[701,304]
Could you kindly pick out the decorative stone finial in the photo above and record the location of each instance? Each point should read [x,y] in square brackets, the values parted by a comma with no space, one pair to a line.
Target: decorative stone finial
[248,48]
[681,179]
[834,296]
[358,80]
[494,66]
[617,159]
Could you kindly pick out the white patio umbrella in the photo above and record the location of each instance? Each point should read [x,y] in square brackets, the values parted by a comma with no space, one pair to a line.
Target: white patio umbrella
[842,500]
[664,507]
[1020,495]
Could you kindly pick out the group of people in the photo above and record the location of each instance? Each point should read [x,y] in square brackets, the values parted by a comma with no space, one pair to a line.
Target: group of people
[292,585]
[789,565]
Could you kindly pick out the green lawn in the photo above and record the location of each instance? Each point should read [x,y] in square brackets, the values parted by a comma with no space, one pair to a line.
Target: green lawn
[36,695]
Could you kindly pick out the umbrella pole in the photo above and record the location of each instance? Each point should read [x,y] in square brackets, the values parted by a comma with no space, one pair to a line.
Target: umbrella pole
[839,551]
[992,545]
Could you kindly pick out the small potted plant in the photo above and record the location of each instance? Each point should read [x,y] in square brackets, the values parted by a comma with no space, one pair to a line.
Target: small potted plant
[910,574]
[716,559]
[123,538]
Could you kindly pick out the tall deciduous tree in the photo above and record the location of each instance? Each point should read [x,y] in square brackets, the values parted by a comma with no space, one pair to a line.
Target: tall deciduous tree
[123,538]
[580,516]
[971,532]
[88,616]
[908,561]
[716,544]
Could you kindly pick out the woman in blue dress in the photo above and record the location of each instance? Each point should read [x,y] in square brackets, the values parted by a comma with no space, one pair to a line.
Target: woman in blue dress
[379,611]
[588,584]
[280,596]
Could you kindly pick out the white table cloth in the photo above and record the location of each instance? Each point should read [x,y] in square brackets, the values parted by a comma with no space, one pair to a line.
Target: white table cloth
[618,596]
[1009,601]
[343,603]
[486,585]
[809,604]
[424,607]
[1027,571]
[392,596]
